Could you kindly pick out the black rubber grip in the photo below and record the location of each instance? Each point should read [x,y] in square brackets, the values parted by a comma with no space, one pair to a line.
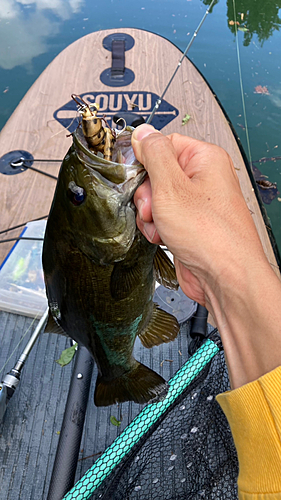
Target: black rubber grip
[199,323]
[63,474]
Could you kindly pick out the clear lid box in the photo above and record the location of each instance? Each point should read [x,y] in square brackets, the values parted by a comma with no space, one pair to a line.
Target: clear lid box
[22,287]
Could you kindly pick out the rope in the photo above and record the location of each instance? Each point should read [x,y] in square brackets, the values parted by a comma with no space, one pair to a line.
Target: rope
[38,159]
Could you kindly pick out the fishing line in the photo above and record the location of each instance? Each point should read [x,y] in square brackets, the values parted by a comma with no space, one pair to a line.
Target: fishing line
[158,102]
[241,84]
[68,127]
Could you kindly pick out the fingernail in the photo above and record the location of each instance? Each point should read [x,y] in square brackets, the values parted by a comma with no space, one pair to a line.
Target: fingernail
[150,230]
[142,131]
[139,205]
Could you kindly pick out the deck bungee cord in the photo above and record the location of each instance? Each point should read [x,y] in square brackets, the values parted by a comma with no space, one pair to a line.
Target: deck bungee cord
[27,238]
[23,163]
[23,224]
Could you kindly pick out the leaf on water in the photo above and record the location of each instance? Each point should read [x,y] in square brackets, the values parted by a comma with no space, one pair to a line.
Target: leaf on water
[261,90]
[186,119]
[279,199]
[66,355]
[114,421]
[242,28]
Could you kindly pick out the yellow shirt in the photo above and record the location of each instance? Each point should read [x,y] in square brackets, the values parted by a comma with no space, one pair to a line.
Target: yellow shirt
[254,415]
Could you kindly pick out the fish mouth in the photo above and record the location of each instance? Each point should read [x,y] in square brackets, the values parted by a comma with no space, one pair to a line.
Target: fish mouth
[123,166]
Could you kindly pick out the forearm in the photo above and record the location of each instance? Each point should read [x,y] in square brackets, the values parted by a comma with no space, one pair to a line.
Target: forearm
[246,304]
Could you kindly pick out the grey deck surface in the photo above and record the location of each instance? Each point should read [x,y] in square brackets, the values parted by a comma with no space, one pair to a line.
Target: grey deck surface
[30,431]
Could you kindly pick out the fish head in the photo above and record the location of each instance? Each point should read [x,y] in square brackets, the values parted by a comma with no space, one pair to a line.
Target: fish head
[94,200]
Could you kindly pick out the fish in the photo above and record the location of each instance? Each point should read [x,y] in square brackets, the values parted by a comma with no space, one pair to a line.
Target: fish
[100,270]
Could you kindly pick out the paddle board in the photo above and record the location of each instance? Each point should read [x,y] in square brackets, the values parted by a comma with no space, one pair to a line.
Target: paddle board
[123,70]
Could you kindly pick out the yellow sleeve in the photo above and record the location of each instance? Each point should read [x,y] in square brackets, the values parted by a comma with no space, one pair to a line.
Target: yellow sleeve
[254,415]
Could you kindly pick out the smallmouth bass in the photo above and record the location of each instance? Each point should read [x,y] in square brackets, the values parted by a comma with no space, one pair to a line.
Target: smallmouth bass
[100,270]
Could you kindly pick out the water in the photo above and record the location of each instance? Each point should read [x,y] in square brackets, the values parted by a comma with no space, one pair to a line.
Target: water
[33,32]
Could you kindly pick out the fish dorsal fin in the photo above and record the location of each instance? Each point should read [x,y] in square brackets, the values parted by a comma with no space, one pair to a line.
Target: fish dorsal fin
[162,328]
[165,272]
[53,327]
[124,280]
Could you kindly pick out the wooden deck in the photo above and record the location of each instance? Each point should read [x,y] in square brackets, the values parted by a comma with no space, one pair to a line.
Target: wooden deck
[30,431]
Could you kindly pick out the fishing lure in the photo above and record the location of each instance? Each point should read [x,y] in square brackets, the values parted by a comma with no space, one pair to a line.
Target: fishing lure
[98,137]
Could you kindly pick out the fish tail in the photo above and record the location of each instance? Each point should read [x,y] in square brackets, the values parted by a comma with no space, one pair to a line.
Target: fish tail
[141,384]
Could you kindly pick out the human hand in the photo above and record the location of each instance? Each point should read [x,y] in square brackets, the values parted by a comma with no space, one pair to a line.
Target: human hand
[192,203]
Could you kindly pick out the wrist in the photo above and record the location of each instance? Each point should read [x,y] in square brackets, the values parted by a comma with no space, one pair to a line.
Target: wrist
[243,300]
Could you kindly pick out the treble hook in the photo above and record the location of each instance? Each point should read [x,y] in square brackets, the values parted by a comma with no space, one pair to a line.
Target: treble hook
[117,131]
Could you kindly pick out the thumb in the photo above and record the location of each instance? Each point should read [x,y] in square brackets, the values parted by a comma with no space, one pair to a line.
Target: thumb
[156,152]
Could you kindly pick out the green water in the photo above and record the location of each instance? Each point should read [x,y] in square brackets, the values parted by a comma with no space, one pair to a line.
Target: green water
[33,32]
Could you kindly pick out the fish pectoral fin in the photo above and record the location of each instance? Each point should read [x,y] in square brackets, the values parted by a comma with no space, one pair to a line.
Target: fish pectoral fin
[141,384]
[124,280]
[165,272]
[162,328]
[53,327]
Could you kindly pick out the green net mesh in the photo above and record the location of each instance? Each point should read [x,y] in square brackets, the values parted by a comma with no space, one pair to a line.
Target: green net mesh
[177,448]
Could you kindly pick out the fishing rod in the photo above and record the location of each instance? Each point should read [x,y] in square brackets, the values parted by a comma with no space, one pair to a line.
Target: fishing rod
[158,102]
[12,379]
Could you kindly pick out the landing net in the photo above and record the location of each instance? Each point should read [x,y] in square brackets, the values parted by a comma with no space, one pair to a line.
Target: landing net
[178,448]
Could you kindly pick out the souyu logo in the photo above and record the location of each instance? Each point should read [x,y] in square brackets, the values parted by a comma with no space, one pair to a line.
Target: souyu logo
[111,103]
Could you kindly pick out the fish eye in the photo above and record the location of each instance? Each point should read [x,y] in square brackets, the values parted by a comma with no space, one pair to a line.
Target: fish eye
[76,194]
